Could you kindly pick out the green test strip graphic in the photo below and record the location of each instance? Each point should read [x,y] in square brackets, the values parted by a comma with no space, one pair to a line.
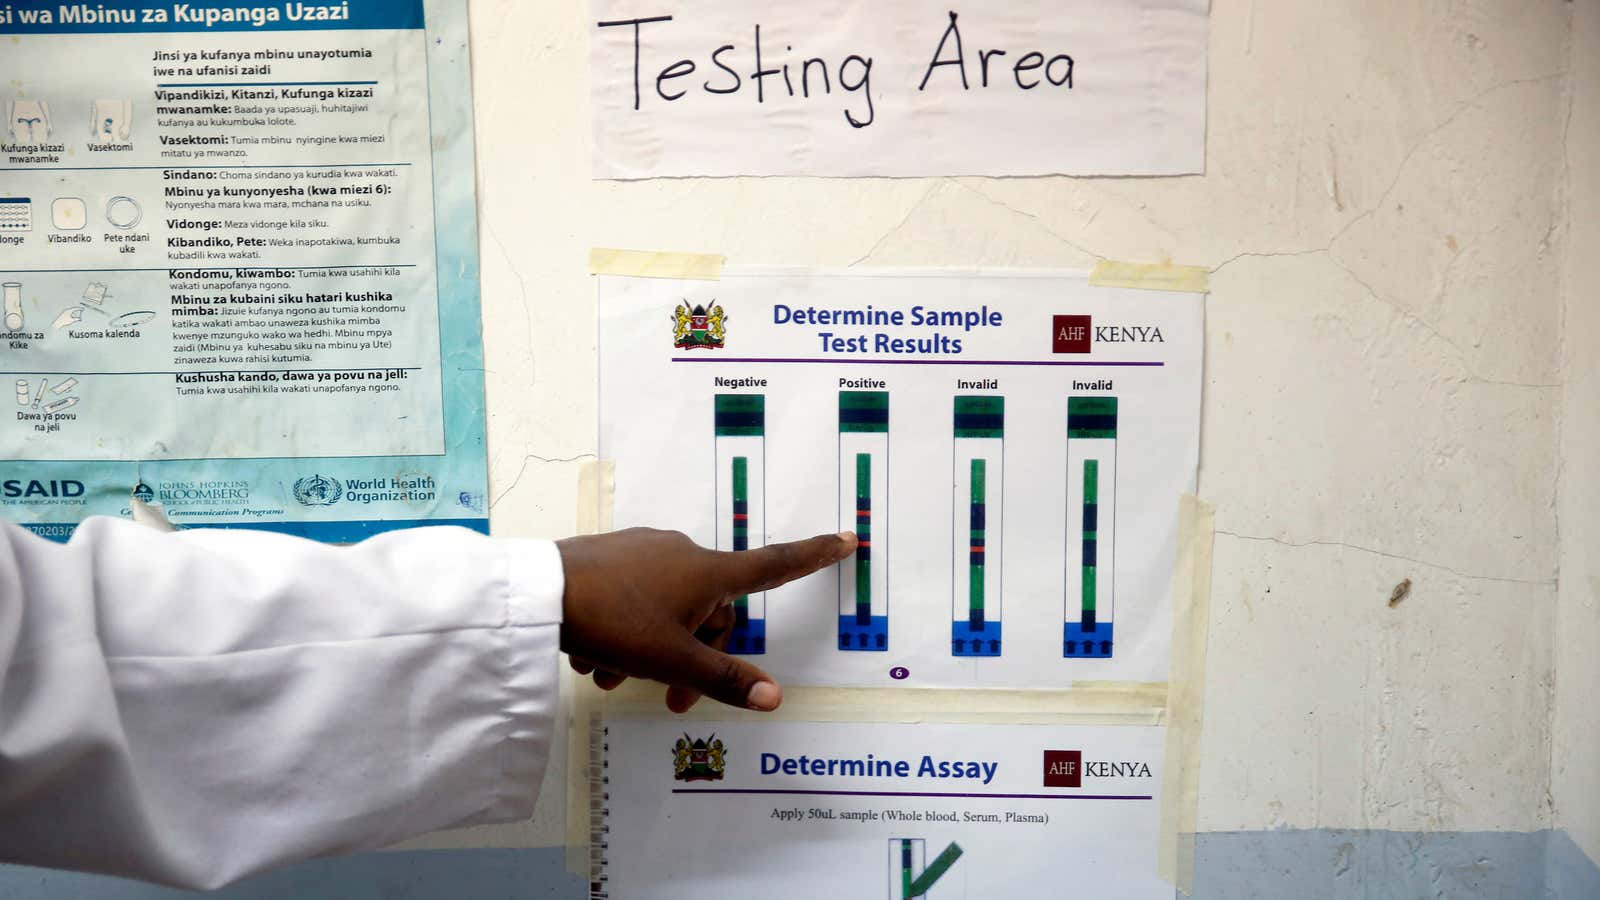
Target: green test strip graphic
[741,527]
[864,534]
[975,565]
[1091,511]
[976,526]
[741,423]
[863,507]
[1088,630]
[906,873]
[935,871]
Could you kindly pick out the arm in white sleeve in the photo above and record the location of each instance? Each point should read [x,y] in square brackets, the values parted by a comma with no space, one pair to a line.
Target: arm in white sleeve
[191,708]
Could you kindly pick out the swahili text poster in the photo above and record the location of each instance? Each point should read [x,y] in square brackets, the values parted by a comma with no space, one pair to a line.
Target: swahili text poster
[238,250]
[847,88]
[880,811]
[1009,447]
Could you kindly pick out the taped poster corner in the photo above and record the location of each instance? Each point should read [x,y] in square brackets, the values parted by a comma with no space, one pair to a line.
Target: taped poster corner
[597,482]
[1163,276]
[1180,796]
[656,264]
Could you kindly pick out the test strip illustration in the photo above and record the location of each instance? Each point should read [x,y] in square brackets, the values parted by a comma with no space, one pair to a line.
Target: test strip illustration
[907,856]
[976,526]
[864,509]
[1088,628]
[741,504]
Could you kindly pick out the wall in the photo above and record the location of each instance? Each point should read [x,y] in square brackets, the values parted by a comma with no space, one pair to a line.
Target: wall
[1576,759]
[1385,209]
[1383,212]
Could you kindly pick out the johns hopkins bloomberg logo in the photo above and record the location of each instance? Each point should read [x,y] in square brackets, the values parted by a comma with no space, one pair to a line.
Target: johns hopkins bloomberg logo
[326,490]
[178,494]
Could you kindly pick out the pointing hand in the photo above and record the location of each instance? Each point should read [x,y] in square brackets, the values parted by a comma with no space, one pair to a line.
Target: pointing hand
[653,604]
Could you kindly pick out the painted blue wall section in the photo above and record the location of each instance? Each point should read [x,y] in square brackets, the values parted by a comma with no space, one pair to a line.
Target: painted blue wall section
[1251,865]
[420,875]
[1569,874]
[1331,864]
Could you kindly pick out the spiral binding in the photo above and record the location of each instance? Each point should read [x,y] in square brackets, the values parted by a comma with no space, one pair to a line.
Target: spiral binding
[599,809]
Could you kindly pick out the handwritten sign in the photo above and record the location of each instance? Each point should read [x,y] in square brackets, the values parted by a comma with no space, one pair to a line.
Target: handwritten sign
[898,87]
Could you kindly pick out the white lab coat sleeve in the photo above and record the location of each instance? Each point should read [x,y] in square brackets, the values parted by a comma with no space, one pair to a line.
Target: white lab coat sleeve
[191,708]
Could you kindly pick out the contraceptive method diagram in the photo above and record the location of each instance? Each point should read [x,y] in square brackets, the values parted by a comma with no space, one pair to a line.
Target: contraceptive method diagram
[218,213]
[1010,450]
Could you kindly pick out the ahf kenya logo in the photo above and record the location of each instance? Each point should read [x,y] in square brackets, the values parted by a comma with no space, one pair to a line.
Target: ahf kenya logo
[699,328]
[1071,334]
[1079,334]
[1068,768]
[699,760]
[1063,768]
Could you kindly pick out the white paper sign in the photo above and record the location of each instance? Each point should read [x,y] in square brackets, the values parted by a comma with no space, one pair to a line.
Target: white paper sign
[898,88]
[1009,447]
[880,812]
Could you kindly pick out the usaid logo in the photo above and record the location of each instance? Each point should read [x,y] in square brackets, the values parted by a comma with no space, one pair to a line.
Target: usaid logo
[1063,768]
[21,489]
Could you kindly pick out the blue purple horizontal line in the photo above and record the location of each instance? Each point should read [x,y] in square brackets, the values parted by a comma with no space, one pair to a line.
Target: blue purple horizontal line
[913,794]
[915,362]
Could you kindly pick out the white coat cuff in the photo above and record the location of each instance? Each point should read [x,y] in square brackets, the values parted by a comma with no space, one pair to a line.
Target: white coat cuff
[535,584]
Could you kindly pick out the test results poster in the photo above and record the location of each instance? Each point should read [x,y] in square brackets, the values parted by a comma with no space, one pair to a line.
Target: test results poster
[238,251]
[1009,447]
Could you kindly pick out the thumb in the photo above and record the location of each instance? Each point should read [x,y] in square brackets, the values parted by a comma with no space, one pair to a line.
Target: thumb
[726,679]
[765,568]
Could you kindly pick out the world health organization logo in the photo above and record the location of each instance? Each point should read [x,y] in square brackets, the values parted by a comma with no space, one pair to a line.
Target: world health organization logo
[318,490]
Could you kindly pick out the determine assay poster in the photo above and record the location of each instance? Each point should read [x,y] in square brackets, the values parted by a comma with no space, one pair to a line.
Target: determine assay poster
[898,87]
[238,250]
[881,812]
[1009,447]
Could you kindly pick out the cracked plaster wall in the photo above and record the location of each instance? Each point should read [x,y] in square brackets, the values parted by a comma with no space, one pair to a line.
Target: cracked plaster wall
[1576,751]
[1384,212]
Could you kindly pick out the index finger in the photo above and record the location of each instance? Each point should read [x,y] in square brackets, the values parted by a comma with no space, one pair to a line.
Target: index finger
[765,568]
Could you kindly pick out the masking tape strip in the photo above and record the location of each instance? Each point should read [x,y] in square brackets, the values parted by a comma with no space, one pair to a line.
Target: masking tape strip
[597,491]
[1088,703]
[1191,597]
[1151,276]
[652,264]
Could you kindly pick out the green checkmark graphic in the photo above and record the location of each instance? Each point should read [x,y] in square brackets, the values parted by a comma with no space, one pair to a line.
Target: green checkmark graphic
[936,871]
